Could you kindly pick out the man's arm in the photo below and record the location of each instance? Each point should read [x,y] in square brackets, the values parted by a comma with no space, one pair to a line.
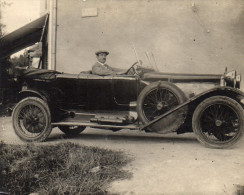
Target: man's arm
[102,71]
[117,71]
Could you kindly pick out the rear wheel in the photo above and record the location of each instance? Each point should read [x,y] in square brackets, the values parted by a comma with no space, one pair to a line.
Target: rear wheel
[72,130]
[157,99]
[218,122]
[31,119]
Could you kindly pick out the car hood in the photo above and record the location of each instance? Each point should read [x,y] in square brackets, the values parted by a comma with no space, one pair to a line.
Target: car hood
[177,77]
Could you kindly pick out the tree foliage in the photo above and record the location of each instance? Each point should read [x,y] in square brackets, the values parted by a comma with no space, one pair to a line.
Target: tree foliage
[2,26]
[15,61]
[20,61]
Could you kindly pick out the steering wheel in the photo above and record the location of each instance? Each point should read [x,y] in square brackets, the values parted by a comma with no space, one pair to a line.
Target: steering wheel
[133,69]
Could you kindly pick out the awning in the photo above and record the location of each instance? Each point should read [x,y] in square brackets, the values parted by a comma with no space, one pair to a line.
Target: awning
[22,37]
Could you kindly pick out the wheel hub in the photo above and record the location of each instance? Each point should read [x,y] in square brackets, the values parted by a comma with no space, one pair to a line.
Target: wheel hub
[31,123]
[218,123]
[160,106]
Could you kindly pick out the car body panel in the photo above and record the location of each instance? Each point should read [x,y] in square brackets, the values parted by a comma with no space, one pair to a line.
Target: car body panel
[125,89]
[177,77]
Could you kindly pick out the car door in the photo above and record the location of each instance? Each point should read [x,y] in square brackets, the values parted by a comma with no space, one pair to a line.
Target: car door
[124,89]
[68,85]
[99,93]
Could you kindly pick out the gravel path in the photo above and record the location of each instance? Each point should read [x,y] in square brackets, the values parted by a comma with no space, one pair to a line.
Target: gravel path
[163,164]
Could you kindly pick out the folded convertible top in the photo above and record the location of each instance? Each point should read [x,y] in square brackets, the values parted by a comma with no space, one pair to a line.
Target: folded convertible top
[39,74]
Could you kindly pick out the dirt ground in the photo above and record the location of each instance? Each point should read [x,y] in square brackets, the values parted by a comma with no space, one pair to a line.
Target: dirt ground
[162,164]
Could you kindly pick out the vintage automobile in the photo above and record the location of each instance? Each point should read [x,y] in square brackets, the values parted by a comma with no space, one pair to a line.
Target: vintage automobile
[142,99]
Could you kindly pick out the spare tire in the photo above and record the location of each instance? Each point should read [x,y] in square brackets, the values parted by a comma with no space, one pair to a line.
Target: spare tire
[157,99]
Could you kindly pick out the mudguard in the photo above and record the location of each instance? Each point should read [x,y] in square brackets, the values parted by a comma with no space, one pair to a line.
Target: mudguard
[233,93]
[27,93]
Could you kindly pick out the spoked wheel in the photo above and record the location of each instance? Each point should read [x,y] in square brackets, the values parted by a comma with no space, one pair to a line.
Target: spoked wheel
[157,99]
[31,119]
[218,122]
[72,130]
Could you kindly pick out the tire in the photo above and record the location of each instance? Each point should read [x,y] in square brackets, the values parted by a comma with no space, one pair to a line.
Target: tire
[167,96]
[72,130]
[218,122]
[31,120]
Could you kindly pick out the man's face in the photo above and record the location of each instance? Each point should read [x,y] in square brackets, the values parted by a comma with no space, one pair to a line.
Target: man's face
[102,57]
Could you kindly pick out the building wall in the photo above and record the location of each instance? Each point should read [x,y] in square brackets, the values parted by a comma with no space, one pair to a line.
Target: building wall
[44,6]
[184,35]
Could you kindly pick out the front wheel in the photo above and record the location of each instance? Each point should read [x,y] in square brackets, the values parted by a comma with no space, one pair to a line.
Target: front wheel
[31,119]
[218,122]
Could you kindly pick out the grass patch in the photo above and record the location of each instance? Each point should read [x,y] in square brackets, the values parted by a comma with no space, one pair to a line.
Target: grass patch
[239,189]
[65,168]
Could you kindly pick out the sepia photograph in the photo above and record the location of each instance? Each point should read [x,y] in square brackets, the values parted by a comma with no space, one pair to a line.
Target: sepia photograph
[127,97]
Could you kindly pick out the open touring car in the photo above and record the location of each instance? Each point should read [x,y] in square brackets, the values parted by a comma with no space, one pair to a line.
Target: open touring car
[143,99]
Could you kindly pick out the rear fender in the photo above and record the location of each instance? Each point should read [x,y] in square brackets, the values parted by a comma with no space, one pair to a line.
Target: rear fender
[193,102]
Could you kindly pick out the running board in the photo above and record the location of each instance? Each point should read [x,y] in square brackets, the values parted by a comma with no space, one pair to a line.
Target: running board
[131,127]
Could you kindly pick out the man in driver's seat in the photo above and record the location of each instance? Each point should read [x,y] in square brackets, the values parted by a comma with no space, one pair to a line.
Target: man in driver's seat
[102,69]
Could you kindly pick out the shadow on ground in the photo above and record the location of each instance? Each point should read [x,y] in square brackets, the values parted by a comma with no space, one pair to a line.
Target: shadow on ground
[6,110]
[118,137]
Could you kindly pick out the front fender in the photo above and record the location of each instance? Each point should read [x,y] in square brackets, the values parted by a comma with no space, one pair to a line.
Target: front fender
[192,102]
[32,93]
[233,93]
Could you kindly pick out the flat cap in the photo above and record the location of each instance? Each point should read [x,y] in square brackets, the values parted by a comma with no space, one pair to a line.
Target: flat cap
[101,51]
